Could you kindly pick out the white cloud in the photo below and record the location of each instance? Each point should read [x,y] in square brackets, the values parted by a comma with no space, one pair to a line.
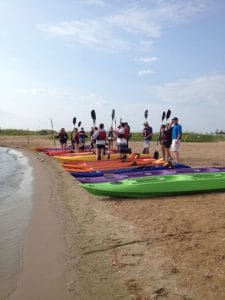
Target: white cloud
[113,32]
[207,90]
[181,11]
[146,60]
[91,33]
[36,92]
[144,72]
[135,20]
[94,2]
[199,102]
[150,20]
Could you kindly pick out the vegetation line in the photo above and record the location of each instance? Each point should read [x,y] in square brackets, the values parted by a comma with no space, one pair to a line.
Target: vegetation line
[136,136]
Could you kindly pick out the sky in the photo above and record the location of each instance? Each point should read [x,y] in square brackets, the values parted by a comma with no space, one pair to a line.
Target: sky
[59,59]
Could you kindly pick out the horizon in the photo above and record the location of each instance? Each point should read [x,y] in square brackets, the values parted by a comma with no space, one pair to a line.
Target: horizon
[61,60]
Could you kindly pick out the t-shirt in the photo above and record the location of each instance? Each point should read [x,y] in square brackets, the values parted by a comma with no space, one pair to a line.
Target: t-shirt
[176,130]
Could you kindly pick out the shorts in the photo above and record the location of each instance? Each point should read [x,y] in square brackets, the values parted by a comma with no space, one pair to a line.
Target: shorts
[123,148]
[100,146]
[167,144]
[175,145]
[146,144]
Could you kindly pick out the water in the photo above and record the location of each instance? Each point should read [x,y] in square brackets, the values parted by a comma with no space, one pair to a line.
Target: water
[15,211]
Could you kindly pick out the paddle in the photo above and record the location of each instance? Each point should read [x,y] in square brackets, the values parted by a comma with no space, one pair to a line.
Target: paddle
[163,116]
[53,136]
[93,116]
[113,116]
[142,166]
[146,114]
[74,121]
[156,152]
[168,114]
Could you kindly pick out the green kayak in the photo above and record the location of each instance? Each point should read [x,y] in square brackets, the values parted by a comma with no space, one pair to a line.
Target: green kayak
[145,187]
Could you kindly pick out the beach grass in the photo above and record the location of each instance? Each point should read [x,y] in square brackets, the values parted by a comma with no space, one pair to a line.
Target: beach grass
[136,136]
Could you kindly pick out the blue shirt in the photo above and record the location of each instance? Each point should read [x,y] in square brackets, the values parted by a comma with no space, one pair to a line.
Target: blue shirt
[176,130]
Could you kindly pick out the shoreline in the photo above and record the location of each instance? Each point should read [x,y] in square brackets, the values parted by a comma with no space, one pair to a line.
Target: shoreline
[15,212]
[59,235]
[167,248]
[43,242]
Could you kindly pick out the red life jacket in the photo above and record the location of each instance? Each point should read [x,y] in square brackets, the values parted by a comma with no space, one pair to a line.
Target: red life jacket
[101,135]
[126,132]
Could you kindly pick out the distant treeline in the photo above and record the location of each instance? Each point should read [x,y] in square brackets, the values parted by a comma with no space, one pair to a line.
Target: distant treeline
[21,132]
[136,136]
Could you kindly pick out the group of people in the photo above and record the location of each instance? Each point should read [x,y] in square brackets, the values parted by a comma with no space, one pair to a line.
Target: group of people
[169,139]
[77,139]
[99,138]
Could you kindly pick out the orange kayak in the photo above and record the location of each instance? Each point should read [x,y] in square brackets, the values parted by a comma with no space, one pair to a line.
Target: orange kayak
[108,165]
[102,163]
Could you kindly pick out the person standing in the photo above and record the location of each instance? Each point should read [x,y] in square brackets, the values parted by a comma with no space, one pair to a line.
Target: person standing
[100,137]
[162,140]
[82,138]
[147,134]
[63,137]
[93,138]
[122,141]
[165,139]
[110,137]
[75,139]
[176,139]
[168,141]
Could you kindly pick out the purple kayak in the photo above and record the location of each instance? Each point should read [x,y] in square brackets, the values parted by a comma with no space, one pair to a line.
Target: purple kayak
[116,177]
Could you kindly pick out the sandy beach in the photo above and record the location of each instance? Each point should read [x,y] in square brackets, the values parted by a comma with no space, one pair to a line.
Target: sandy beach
[79,246]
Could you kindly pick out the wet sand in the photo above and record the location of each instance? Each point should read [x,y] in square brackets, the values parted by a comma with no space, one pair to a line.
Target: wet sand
[83,247]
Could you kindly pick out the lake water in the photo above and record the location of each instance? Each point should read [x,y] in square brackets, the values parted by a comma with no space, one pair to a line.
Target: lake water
[15,211]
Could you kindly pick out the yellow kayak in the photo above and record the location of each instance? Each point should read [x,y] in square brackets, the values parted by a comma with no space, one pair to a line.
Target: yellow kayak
[92,157]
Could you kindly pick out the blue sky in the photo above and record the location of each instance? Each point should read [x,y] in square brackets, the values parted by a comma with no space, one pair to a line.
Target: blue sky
[60,59]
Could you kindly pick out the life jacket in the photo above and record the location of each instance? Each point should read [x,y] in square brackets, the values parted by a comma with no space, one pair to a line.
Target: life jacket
[82,133]
[101,135]
[126,132]
[147,131]
[77,137]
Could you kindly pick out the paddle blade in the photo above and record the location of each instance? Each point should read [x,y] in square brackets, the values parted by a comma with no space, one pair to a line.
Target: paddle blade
[163,115]
[156,154]
[146,114]
[74,121]
[113,114]
[93,115]
[168,114]
[79,123]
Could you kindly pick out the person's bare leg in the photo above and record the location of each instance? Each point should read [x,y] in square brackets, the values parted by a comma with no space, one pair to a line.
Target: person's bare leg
[176,156]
